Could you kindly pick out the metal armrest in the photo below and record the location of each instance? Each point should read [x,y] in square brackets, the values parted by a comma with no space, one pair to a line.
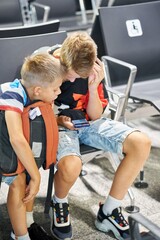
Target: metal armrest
[119,103]
[46,10]
[83,11]
[116,106]
[135,220]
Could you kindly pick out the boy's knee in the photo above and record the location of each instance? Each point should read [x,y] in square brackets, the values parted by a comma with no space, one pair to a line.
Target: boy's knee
[70,166]
[143,142]
[138,142]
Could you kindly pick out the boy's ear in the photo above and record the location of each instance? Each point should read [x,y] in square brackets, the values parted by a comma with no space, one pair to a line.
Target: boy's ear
[37,91]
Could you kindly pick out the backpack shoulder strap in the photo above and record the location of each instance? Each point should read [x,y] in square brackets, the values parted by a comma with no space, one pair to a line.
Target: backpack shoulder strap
[51,129]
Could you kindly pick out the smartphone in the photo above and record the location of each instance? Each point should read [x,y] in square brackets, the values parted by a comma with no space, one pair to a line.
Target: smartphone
[80,123]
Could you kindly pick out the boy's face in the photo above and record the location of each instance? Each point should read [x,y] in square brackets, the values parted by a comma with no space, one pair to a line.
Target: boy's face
[50,92]
[71,76]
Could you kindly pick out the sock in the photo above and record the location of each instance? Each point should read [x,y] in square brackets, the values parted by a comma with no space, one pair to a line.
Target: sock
[30,220]
[24,237]
[60,200]
[110,204]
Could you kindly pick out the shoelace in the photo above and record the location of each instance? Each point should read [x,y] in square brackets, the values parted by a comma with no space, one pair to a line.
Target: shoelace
[122,219]
[62,212]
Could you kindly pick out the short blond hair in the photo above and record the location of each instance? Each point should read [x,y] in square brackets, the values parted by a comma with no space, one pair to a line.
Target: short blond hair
[78,52]
[41,69]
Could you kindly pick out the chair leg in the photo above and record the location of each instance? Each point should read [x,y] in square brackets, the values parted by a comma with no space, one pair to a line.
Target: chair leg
[83,172]
[0,180]
[132,208]
[141,183]
[49,190]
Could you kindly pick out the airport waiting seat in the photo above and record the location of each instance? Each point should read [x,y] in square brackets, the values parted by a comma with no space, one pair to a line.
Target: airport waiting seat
[71,13]
[14,13]
[109,3]
[131,35]
[127,33]
[21,12]
[39,28]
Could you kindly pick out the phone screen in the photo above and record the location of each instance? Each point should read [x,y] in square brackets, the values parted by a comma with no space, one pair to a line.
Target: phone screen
[80,123]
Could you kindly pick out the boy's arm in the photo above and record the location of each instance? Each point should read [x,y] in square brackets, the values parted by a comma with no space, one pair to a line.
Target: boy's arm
[23,151]
[95,108]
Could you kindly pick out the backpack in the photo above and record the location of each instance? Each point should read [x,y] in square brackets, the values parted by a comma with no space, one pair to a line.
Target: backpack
[40,130]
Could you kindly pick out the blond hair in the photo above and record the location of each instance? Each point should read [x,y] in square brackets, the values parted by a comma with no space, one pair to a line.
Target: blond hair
[41,69]
[78,52]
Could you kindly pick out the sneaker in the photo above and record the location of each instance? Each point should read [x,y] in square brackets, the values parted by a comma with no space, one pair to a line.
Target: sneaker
[36,232]
[114,222]
[60,221]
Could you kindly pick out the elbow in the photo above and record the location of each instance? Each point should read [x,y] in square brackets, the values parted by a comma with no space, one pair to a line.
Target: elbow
[95,117]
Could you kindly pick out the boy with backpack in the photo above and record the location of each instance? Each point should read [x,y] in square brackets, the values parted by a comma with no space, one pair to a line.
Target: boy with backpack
[41,77]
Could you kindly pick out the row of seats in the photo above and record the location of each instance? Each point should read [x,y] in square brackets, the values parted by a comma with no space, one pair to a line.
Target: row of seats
[71,13]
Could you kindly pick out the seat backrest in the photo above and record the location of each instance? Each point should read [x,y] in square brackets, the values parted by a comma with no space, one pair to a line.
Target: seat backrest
[39,28]
[10,12]
[14,50]
[59,9]
[96,34]
[15,13]
[105,3]
[132,33]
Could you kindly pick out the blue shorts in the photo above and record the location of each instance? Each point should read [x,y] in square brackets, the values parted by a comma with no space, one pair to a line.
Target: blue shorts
[8,180]
[104,134]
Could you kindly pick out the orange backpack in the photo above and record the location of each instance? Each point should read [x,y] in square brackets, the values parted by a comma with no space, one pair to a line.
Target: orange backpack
[42,131]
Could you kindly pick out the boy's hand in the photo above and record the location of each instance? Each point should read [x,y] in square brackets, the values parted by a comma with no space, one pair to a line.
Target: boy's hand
[65,122]
[97,76]
[32,189]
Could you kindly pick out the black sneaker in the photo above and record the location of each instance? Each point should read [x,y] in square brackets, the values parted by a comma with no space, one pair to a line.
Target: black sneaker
[114,222]
[60,221]
[36,232]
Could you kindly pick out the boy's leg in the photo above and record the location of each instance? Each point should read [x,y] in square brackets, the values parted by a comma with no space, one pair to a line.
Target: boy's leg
[35,231]
[128,143]
[118,138]
[68,170]
[15,205]
[136,148]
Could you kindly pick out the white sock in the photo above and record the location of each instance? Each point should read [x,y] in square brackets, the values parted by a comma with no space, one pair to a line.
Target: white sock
[110,204]
[24,237]
[30,220]
[60,200]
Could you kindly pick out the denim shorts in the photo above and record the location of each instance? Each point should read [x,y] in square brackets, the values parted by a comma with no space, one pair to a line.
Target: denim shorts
[8,180]
[104,134]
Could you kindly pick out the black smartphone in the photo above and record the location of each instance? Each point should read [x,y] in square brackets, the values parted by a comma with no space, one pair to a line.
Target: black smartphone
[80,123]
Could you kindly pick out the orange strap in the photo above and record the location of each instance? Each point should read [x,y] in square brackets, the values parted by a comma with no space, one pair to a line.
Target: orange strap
[51,132]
